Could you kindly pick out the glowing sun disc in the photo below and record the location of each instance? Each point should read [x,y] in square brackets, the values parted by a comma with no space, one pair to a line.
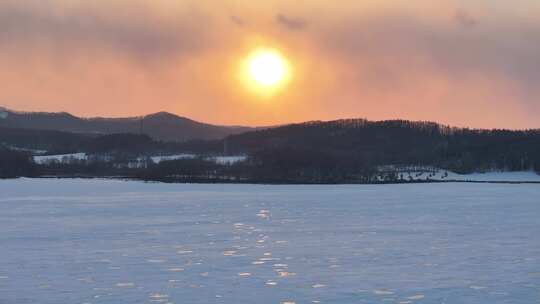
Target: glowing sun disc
[267,68]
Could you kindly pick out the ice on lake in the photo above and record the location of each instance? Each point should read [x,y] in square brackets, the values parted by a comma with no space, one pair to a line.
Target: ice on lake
[108,241]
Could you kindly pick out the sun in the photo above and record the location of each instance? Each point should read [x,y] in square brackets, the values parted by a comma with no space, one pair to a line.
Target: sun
[267,67]
[266,70]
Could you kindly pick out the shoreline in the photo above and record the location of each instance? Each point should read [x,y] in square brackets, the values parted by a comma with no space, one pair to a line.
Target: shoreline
[203,181]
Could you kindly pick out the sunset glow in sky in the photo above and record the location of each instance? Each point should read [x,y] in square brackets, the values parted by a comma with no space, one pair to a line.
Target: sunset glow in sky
[266,68]
[461,62]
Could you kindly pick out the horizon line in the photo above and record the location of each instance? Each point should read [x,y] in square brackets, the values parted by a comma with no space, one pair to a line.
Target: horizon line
[143,116]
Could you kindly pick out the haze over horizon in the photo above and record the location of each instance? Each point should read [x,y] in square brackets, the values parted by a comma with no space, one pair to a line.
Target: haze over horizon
[463,63]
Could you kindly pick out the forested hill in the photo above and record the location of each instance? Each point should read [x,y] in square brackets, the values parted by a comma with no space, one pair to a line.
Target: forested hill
[59,142]
[160,126]
[344,151]
[362,143]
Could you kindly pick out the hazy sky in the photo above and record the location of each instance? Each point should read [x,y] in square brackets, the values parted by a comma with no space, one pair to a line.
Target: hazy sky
[466,63]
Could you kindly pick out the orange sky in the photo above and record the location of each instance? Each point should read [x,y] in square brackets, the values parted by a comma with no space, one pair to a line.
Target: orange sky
[466,63]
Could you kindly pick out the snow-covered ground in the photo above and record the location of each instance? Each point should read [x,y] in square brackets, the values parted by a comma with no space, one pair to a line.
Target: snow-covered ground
[158,159]
[15,148]
[110,241]
[229,160]
[59,158]
[222,160]
[521,176]
[435,174]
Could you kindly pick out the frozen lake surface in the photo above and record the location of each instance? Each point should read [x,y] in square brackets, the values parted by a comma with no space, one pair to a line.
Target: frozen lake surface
[106,241]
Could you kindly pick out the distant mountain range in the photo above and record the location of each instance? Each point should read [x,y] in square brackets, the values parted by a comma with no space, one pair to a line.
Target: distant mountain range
[160,126]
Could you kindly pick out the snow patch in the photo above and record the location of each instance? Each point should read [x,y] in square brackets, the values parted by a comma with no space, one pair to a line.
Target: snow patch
[61,158]
[426,173]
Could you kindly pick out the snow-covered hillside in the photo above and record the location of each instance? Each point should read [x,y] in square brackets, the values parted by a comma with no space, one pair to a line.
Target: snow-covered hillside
[421,173]
[229,160]
[158,159]
[15,148]
[67,158]
[60,158]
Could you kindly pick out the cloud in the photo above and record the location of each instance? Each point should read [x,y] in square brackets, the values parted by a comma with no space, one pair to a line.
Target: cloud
[464,19]
[137,31]
[290,23]
[401,43]
[237,20]
[423,64]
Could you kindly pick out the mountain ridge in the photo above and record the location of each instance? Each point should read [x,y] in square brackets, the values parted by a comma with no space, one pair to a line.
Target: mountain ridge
[160,125]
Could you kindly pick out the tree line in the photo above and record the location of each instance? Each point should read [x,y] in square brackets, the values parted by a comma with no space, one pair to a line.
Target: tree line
[343,151]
